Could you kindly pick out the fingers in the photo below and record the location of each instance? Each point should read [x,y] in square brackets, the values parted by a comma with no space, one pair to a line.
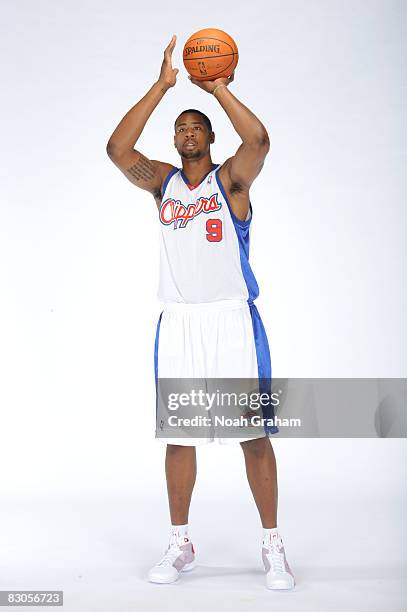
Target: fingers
[170,48]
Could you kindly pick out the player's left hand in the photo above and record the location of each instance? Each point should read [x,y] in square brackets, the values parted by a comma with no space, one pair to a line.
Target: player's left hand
[209,86]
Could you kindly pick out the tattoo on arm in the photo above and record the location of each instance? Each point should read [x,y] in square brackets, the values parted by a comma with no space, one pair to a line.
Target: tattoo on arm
[143,169]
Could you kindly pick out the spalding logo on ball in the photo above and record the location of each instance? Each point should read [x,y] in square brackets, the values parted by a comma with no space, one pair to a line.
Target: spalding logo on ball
[210,54]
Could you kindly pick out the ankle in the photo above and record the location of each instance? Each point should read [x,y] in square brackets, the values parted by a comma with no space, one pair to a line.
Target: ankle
[179,531]
[269,534]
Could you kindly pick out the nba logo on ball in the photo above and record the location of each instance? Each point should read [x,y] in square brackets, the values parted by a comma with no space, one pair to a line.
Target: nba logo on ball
[210,54]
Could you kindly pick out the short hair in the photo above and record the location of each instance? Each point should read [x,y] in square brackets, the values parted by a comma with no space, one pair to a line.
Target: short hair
[205,119]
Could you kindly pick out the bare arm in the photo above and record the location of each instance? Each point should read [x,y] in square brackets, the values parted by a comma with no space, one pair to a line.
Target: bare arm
[248,160]
[143,172]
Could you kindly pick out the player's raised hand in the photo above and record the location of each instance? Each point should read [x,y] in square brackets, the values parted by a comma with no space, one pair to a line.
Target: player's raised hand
[209,86]
[168,74]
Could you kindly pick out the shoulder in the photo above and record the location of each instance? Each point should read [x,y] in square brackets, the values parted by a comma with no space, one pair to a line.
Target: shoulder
[232,187]
[223,171]
[235,193]
[166,171]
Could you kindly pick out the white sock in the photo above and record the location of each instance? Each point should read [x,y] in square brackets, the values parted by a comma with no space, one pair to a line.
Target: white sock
[268,534]
[179,531]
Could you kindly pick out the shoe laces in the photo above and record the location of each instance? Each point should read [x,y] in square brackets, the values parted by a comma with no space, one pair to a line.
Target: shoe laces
[171,554]
[275,553]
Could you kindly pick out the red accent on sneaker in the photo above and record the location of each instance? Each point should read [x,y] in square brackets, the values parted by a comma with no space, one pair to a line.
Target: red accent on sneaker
[193,550]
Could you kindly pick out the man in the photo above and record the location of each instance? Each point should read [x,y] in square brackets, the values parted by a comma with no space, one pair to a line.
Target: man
[209,326]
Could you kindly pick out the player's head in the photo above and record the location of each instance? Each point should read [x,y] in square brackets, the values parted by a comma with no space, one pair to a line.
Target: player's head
[193,134]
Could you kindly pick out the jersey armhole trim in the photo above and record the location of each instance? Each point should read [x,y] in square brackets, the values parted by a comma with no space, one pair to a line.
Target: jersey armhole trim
[167,180]
[236,220]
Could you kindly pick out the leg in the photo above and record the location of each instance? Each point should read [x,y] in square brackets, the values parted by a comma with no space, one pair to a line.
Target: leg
[262,476]
[180,469]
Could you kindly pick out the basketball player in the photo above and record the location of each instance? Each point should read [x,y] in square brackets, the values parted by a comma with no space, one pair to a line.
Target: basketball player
[209,326]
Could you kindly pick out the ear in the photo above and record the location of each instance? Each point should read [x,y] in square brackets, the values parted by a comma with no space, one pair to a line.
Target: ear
[212,137]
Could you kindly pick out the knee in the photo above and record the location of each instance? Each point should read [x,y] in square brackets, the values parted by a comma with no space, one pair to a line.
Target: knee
[256,448]
[179,449]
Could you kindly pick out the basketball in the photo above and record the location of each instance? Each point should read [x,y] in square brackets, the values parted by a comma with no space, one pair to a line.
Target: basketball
[210,54]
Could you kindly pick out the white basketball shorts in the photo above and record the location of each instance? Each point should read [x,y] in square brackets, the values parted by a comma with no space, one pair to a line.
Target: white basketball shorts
[211,340]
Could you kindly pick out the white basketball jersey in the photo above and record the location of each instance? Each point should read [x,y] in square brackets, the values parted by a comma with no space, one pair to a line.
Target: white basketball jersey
[204,247]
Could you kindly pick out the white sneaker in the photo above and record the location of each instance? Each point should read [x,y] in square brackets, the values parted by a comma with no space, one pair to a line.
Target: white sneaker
[279,574]
[179,557]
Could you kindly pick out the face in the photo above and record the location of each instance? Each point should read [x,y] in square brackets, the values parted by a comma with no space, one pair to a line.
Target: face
[192,138]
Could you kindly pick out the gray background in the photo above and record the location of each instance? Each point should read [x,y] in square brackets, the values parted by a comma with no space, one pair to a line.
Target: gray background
[78,276]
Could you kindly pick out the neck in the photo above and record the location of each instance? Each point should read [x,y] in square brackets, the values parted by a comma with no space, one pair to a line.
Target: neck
[195,169]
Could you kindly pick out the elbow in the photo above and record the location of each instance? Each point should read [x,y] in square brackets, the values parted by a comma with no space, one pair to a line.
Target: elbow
[115,151]
[261,141]
[111,149]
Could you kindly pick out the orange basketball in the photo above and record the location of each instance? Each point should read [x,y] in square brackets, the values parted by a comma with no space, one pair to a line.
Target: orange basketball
[210,54]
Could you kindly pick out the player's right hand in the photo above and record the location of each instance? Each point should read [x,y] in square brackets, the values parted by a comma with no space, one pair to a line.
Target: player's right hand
[168,74]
